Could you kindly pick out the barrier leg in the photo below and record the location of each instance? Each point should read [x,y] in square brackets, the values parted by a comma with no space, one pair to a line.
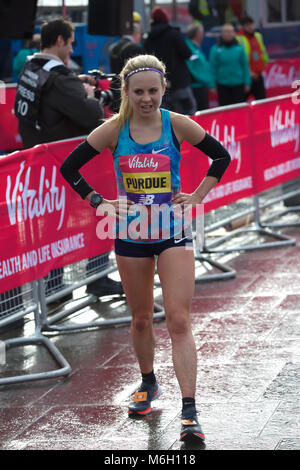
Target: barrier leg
[49,324]
[71,307]
[37,339]
[280,214]
[225,271]
[281,240]
[64,369]
[159,314]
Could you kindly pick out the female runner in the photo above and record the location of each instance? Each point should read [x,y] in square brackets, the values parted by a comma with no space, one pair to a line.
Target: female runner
[145,143]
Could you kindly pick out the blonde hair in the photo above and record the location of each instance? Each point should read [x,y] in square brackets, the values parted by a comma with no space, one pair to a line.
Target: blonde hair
[139,62]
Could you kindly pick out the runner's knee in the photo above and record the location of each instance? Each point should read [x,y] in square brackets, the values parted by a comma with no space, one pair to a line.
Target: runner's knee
[142,322]
[178,323]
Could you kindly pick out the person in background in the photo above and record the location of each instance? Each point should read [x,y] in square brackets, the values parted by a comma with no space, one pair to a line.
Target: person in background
[136,17]
[229,68]
[204,11]
[63,107]
[257,56]
[31,47]
[128,46]
[212,13]
[237,7]
[222,7]
[167,43]
[198,66]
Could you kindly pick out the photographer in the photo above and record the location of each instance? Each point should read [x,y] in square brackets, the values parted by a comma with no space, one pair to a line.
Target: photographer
[52,103]
[63,106]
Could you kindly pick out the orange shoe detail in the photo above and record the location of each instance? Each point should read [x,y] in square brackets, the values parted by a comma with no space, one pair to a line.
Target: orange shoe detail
[140,396]
[188,422]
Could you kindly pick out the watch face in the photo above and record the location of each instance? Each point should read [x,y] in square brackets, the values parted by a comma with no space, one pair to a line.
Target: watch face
[96,199]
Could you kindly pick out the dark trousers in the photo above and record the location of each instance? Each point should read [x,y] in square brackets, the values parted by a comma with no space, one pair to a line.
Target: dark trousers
[181,101]
[231,94]
[201,97]
[258,89]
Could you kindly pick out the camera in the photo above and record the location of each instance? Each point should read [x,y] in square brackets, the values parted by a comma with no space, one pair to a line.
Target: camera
[104,96]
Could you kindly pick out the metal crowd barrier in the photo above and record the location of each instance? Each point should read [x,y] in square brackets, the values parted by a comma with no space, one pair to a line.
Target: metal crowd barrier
[202,260]
[291,193]
[256,227]
[15,305]
[226,272]
[73,277]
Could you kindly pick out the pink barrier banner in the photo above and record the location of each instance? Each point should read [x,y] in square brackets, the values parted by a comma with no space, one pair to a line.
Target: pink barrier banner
[44,223]
[280,75]
[231,128]
[276,141]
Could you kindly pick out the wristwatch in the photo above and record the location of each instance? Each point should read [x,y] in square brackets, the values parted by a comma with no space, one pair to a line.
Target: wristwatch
[96,200]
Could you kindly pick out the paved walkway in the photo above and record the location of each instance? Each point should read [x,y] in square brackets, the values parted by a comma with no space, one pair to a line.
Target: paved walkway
[247,333]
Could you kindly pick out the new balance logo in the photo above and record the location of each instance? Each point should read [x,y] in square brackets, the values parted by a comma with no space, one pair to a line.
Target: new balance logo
[146,199]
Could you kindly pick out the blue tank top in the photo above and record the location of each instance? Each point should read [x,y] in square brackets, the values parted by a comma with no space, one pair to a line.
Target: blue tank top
[148,175]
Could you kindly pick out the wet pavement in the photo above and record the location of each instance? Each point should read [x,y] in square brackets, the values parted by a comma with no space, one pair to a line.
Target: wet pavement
[247,333]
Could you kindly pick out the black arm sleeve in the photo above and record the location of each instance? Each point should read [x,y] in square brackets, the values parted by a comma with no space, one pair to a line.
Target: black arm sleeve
[215,150]
[70,168]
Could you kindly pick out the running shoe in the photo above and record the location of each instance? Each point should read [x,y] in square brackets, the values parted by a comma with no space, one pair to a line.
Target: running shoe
[141,404]
[190,427]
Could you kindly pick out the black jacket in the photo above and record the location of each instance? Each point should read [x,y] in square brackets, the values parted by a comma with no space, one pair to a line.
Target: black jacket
[167,43]
[65,110]
[119,52]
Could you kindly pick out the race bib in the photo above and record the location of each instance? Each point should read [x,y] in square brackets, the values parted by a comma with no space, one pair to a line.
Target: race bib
[146,178]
